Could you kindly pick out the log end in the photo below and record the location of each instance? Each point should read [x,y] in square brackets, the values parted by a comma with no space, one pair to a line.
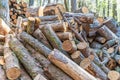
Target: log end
[113,75]
[13,73]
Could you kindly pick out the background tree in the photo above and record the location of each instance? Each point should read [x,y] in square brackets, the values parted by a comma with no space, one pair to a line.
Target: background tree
[31,2]
[73,5]
[4,10]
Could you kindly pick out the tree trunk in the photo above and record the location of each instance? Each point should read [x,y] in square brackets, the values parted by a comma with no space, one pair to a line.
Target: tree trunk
[73,5]
[66,5]
[31,2]
[24,56]
[4,10]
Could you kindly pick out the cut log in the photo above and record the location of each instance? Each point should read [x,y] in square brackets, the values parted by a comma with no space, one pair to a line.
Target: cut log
[113,75]
[24,56]
[2,60]
[41,37]
[110,50]
[11,61]
[69,46]
[50,70]
[2,38]
[35,43]
[52,37]
[64,35]
[30,26]
[37,23]
[77,57]
[1,50]
[100,39]
[69,66]
[107,33]
[83,47]
[39,77]
[2,74]
[4,28]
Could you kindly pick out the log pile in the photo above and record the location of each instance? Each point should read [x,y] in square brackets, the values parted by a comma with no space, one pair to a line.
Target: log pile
[78,47]
[17,9]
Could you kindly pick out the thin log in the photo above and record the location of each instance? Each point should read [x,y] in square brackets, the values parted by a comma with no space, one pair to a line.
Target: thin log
[41,37]
[100,39]
[2,60]
[24,56]
[69,66]
[11,61]
[96,45]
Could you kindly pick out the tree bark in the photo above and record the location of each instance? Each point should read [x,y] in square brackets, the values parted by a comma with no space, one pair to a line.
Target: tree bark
[73,5]
[24,56]
[2,74]
[11,61]
[49,69]
[4,10]
[31,2]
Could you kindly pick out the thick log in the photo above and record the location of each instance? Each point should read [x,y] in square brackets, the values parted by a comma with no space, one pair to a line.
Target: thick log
[26,59]
[11,61]
[64,35]
[83,47]
[4,28]
[100,39]
[2,74]
[41,37]
[52,37]
[69,66]
[69,46]
[113,75]
[107,33]
[50,70]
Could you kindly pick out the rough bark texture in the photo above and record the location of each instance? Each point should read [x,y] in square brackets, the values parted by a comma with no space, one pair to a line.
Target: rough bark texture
[107,33]
[69,66]
[50,70]
[24,56]
[41,37]
[2,74]
[35,43]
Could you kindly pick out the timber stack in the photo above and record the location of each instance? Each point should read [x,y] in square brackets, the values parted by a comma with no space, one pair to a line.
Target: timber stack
[17,9]
[76,46]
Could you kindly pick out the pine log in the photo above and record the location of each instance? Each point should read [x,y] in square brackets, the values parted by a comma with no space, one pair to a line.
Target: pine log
[2,60]
[77,57]
[52,37]
[26,59]
[2,74]
[41,37]
[49,69]
[69,46]
[11,61]
[107,33]
[100,39]
[4,28]
[83,47]
[69,66]
[38,46]
[113,75]
[64,35]
[30,26]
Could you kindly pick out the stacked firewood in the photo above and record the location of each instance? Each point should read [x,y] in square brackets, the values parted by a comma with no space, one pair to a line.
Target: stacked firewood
[17,9]
[77,47]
